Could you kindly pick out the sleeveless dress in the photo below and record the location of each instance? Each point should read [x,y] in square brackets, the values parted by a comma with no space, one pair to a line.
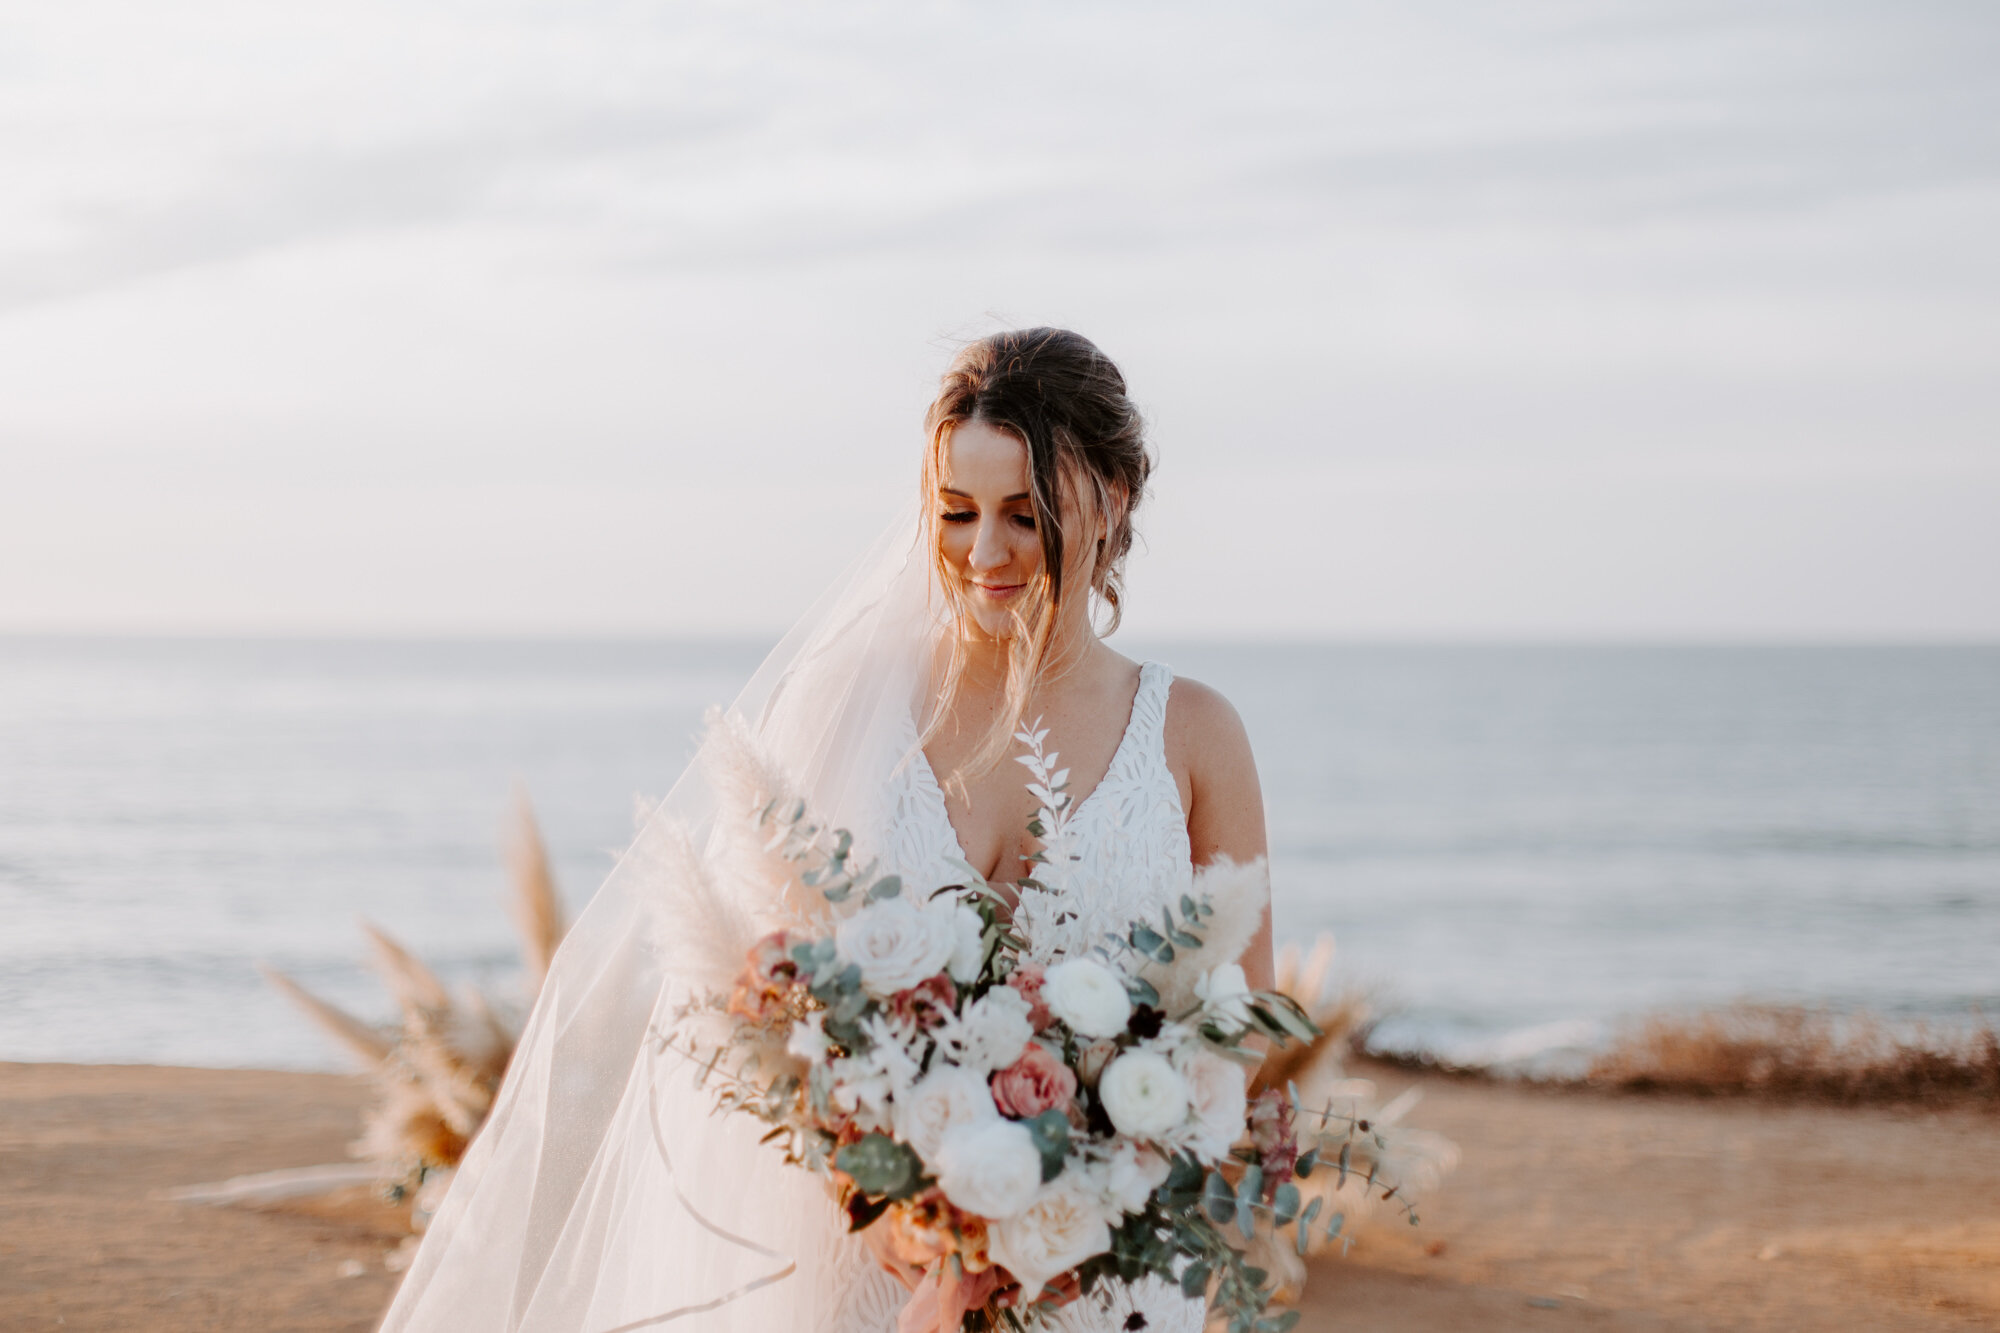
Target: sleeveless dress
[1130,834]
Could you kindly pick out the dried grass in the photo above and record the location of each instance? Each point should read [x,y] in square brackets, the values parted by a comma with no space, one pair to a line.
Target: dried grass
[1341,1013]
[437,1068]
[1791,1051]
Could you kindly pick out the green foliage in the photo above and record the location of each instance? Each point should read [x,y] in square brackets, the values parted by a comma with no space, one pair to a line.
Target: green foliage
[1050,1132]
[881,1166]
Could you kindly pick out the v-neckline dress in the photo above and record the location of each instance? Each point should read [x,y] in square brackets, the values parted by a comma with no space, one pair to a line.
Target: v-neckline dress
[1130,840]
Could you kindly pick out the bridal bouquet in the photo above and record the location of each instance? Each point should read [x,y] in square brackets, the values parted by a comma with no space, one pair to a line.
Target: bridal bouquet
[1020,1130]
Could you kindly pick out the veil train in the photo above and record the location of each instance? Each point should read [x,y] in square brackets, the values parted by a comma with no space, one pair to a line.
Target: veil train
[602,1195]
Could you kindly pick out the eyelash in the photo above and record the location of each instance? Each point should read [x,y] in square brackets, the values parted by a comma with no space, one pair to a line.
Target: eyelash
[967,516]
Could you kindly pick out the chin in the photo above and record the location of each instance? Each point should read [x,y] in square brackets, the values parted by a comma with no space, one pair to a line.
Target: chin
[994,626]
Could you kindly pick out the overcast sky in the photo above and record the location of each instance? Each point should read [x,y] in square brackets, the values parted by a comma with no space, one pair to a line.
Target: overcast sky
[1452,319]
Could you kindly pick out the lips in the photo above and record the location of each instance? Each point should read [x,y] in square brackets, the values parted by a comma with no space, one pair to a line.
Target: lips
[999,591]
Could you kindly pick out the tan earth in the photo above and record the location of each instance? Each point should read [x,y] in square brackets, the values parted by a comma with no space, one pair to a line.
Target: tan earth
[1571,1210]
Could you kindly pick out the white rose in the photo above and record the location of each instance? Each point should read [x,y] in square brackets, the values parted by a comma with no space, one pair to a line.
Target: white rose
[942,1100]
[968,944]
[1131,1176]
[1062,1227]
[894,944]
[808,1040]
[1144,1095]
[991,1169]
[1217,1095]
[994,1030]
[1225,996]
[1088,997]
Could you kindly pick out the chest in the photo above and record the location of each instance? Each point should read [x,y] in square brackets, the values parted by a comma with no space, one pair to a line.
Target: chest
[990,810]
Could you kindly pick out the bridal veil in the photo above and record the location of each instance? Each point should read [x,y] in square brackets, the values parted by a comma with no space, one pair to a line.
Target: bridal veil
[603,1194]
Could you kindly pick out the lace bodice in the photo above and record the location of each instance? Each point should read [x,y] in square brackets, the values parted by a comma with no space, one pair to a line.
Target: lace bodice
[1128,835]
[1129,841]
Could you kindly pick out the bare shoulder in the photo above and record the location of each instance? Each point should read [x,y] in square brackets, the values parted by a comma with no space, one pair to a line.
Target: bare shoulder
[1199,717]
[1208,749]
[1206,739]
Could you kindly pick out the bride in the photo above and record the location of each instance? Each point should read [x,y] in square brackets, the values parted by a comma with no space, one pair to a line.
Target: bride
[602,1195]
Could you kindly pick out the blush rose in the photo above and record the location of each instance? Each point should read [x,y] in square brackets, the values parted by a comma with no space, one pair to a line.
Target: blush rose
[1035,1083]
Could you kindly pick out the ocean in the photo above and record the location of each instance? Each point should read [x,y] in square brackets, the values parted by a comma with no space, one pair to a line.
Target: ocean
[1517,848]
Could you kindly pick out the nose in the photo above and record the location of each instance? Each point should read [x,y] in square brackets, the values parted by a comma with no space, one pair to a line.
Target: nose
[989,547]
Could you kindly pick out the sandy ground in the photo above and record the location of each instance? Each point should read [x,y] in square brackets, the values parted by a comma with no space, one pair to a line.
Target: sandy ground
[1570,1211]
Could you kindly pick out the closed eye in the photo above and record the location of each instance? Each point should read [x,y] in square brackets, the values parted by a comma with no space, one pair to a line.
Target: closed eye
[959,516]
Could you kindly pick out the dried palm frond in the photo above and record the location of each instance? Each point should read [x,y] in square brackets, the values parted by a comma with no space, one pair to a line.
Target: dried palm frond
[364,1041]
[1340,1013]
[437,1070]
[413,985]
[535,906]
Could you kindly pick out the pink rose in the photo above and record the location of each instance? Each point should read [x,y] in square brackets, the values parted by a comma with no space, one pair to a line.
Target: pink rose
[1027,979]
[925,1003]
[766,980]
[1035,1083]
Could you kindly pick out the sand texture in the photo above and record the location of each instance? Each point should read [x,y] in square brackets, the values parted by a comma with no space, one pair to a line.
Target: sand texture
[1570,1211]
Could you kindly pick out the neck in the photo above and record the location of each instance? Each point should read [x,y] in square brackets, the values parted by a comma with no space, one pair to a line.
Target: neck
[988,660]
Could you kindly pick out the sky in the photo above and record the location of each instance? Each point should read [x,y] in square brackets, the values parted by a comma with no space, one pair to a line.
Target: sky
[1451,319]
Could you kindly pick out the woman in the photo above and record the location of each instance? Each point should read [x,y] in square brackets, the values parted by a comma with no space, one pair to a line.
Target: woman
[601,1196]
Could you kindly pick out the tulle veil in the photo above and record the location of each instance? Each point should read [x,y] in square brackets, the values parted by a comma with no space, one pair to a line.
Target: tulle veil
[602,1194]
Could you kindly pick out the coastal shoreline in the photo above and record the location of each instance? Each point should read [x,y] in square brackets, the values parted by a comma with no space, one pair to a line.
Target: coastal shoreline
[1571,1209]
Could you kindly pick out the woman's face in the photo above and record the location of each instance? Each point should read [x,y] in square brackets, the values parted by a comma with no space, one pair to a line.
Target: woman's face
[986,523]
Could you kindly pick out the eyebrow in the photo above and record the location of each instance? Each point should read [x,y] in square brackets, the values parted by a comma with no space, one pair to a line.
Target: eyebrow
[946,490]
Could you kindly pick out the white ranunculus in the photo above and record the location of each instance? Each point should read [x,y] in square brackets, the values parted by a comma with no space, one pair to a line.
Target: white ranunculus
[941,1101]
[968,943]
[1131,1176]
[1143,1094]
[1219,1100]
[808,1040]
[1088,997]
[994,1030]
[1224,993]
[991,1168]
[1061,1228]
[895,945]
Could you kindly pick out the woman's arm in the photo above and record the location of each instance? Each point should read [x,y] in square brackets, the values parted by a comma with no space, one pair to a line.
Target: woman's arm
[1209,751]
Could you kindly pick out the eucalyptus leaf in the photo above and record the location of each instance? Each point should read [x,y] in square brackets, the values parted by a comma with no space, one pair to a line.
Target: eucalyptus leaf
[1050,1132]
[880,1165]
[1219,1199]
[886,887]
[1304,1237]
[1194,1279]
[1285,1204]
[1248,1190]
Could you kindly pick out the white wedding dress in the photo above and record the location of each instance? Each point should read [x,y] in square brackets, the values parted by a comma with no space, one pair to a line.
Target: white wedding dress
[1130,837]
[604,1194]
